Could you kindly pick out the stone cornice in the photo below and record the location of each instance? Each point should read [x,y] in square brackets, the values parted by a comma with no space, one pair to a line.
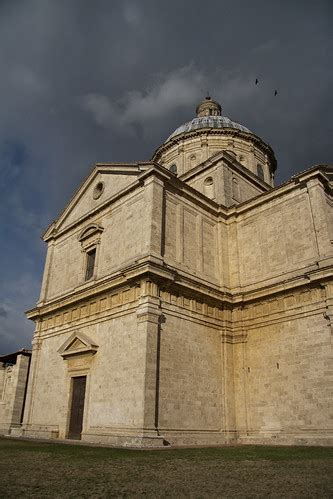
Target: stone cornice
[296,182]
[232,132]
[311,277]
[167,278]
[117,280]
[145,169]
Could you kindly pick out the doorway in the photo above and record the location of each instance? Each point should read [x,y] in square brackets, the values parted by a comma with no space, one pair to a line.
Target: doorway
[77,407]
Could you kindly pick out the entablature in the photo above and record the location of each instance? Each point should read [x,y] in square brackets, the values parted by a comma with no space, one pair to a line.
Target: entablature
[169,280]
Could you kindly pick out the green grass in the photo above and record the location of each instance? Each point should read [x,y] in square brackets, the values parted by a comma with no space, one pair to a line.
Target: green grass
[38,469]
[234,453]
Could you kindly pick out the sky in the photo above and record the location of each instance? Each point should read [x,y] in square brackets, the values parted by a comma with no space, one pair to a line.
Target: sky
[87,81]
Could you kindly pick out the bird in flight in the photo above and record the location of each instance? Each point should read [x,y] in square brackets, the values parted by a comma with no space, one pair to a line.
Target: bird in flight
[275,91]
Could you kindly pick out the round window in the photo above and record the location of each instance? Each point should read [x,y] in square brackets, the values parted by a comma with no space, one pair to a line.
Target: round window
[209,181]
[98,190]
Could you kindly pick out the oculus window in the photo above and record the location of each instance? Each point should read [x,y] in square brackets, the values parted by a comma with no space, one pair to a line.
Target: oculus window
[209,187]
[98,190]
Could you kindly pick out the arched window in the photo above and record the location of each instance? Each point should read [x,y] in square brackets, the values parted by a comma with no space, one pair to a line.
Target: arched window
[209,187]
[90,238]
[173,169]
[260,172]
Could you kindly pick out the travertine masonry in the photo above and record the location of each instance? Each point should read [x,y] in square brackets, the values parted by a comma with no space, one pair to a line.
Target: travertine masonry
[206,315]
[14,371]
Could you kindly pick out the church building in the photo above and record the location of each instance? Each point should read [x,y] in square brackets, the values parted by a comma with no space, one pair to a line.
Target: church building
[186,300]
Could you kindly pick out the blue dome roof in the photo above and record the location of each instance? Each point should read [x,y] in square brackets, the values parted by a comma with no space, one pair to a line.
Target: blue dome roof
[208,122]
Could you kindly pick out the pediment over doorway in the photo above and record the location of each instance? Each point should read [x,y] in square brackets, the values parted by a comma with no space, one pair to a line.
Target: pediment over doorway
[77,343]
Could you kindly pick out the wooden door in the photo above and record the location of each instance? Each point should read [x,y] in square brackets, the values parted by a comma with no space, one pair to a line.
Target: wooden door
[77,407]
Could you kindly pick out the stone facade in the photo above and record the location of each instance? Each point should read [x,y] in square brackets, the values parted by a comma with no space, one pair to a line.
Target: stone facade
[206,315]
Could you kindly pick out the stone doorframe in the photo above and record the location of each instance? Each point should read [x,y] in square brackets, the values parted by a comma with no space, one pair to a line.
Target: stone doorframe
[78,352]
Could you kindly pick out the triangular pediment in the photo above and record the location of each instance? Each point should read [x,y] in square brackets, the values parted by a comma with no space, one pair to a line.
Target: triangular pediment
[77,343]
[106,181]
[229,159]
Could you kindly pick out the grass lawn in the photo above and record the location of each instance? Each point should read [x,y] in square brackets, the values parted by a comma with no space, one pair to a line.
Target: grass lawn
[35,469]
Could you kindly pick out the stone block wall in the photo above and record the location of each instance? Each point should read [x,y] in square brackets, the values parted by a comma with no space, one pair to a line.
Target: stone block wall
[13,380]
[279,239]
[283,375]
[191,239]
[115,373]
[190,372]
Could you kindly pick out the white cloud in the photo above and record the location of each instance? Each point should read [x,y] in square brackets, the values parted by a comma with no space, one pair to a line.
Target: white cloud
[178,89]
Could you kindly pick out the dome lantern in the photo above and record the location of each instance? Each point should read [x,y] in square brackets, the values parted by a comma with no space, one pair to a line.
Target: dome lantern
[208,107]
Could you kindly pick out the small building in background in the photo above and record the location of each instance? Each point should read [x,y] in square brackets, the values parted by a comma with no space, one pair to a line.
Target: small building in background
[14,372]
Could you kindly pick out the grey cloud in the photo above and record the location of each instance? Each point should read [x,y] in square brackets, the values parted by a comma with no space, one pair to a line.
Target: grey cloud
[132,13]
[20,294]
[25,80]
[3,311]
[100,107]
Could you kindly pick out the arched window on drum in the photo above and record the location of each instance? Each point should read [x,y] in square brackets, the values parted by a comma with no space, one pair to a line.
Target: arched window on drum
[193,160]
[173,169]
[260,172]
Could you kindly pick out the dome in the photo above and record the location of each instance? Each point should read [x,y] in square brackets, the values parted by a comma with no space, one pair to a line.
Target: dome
[208,134]
[208,116]
[208,122]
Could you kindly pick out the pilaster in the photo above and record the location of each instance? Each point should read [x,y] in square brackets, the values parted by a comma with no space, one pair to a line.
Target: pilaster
[36,348]
[47,272]
[153,220]
[318,208]
[149,320]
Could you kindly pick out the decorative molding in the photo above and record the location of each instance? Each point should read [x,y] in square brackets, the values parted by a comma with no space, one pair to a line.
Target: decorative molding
[91,230]
[90,308]
[77,343]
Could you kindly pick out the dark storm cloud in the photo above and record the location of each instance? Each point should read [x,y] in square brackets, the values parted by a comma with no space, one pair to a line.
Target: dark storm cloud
[85,81]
